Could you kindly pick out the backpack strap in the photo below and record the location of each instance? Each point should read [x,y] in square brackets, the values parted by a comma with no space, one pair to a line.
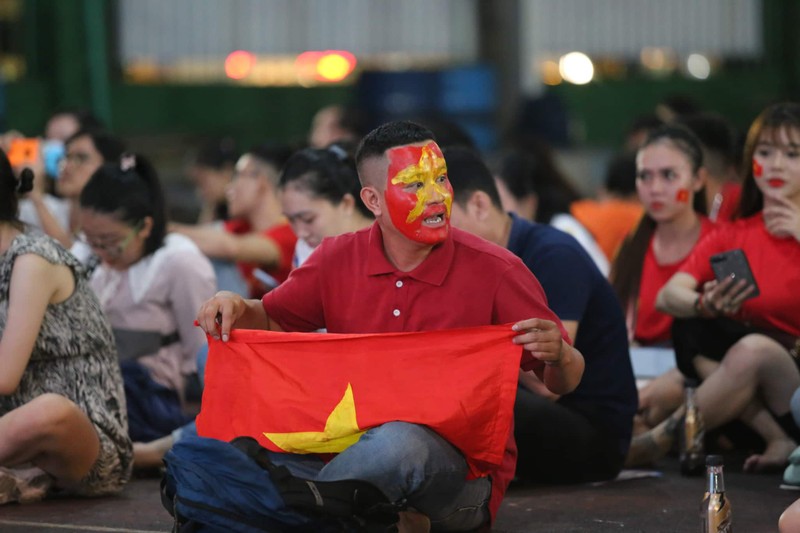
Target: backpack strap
[348,499]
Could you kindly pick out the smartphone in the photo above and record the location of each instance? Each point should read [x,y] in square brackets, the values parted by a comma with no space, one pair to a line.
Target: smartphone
[733,263]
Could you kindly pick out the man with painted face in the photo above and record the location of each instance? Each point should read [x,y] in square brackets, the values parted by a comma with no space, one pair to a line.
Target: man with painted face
[410,271]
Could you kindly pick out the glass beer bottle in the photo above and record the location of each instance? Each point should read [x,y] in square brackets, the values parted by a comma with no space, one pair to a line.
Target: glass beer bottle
[715,510]
[692,435]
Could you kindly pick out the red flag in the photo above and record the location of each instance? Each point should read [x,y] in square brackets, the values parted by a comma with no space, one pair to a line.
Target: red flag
[316,393]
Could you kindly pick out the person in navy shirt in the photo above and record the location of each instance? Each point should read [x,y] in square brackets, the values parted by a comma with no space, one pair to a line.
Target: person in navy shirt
[584,435]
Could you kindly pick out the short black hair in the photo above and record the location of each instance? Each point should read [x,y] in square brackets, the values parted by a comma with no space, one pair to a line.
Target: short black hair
[217,153]
[468,173]
[389,135]
[274,155]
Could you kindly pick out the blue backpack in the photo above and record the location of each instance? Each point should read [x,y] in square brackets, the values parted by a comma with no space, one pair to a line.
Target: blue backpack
[216,486]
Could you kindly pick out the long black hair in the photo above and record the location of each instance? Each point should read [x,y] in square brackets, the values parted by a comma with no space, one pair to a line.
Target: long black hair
[130,191]
[10,189]
[626,270]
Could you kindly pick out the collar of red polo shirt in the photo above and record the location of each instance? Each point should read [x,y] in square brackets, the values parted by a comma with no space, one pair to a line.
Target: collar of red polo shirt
[318,393]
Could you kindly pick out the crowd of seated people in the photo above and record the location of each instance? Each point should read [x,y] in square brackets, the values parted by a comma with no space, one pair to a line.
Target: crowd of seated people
[675,195]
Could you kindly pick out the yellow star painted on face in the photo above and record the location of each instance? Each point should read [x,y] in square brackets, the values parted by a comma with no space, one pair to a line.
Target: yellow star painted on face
[427,170]
[341,431]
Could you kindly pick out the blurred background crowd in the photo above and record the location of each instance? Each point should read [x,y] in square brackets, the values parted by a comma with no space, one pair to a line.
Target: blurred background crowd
[171,76]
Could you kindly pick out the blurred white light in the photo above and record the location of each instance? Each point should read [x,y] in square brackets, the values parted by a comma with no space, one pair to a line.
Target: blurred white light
[576,67]
[698,66]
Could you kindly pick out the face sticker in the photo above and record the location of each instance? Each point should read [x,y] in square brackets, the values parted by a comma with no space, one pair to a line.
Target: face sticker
[682,195]
[758,170]
[418,193]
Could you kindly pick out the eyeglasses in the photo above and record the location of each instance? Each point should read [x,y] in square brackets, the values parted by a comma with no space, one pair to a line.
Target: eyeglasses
[76,158]
[116,247]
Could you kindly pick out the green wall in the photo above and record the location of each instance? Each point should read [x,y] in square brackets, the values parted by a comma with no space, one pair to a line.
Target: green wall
[601,112]
[68,66]
[68,46]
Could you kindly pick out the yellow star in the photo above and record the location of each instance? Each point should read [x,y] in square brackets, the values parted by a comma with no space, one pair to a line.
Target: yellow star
[341,431]
[427,170]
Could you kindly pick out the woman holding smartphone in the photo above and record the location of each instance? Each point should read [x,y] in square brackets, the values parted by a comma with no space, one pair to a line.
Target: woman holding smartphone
[749,344]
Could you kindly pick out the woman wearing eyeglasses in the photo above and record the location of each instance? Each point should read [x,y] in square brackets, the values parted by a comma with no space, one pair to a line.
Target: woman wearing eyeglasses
[150,285]
[62,424]
[85,151]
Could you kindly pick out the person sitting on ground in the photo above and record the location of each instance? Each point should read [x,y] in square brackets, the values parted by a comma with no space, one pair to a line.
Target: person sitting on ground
[742,345]
[257,237]
[62,407]
[349,284]
[531,185]
[149,285]
[320,197]
[86,151]
[617,210]
[589,428]
[60,126]
[336,124]
[211,171]
[669,181]
[723,187]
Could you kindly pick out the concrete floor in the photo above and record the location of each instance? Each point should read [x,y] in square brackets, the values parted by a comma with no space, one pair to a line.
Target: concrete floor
[668,503]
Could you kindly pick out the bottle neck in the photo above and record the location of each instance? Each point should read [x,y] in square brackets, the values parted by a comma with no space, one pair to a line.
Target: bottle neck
[716,483]
[690,397]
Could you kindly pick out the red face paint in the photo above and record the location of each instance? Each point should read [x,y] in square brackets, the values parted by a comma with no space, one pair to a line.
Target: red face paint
[682,195]
[418,193]
[758,170]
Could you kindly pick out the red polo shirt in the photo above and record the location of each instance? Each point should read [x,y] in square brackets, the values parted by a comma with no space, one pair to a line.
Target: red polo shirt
[349,286]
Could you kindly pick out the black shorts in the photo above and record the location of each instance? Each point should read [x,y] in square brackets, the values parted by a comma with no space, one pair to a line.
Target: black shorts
[713,338]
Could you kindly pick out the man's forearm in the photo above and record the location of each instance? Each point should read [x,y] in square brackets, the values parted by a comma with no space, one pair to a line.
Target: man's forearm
[563,377]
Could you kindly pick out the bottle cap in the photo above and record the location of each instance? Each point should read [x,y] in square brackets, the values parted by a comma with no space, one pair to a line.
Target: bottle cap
[713,460]
[691,382]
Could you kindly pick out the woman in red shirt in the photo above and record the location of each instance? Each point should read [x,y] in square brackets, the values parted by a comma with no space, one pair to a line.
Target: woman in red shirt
[748,338]
[669,182]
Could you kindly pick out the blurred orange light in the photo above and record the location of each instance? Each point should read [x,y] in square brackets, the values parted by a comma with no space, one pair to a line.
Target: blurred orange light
[239,64]
[335,66]
[327,66]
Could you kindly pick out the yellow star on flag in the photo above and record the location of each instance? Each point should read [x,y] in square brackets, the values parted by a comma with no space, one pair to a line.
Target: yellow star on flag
[341,431]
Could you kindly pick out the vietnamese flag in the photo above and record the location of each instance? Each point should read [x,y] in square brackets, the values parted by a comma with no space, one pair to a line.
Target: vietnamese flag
[318,392]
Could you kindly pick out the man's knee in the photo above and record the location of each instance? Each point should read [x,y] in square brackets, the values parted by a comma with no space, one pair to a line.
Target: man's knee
[403,440]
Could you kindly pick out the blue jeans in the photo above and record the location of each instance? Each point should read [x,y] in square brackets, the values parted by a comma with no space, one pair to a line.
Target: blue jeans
[407,461]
